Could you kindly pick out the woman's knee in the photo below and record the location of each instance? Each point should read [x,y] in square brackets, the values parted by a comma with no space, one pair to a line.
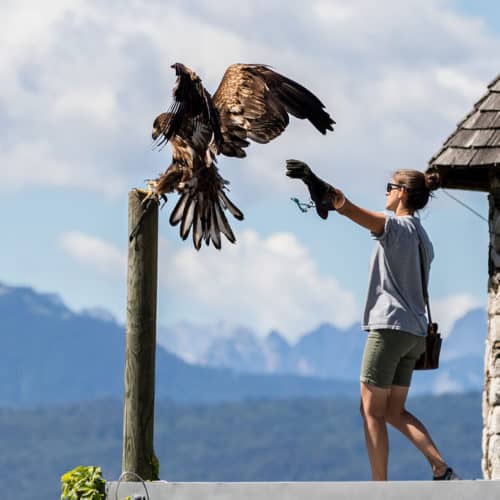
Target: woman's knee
[373,402]
[371,413]
[395,417]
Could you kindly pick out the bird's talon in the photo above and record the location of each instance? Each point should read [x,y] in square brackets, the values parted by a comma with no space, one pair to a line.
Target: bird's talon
[150,193]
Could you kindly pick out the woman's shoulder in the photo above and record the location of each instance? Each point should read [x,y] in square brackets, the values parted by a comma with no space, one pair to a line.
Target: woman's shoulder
[404,223]
[405,228]
[411,223]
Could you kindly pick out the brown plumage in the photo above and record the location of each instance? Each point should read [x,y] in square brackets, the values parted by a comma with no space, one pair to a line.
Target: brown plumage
[251,102]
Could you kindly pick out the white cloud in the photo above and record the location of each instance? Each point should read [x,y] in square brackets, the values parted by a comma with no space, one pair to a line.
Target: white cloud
[261,283]
[445,311]
[444,384]
[94,253]
[84,80]
[37,165]
[94,103]
[458,82]
[333,11]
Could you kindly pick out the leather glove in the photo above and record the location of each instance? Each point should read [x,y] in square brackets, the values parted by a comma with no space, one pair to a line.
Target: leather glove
[322,193]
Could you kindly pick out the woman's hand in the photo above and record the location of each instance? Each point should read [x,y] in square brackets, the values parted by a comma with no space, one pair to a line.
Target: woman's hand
[322,193]
[326,198]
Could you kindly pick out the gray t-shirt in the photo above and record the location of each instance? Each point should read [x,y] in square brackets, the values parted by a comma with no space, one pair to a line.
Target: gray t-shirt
[395,297]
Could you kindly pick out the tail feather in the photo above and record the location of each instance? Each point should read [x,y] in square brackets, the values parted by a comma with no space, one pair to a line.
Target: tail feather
[187,217]
[203,214]
[207,221]
[214,228]
[178,211]
[197,228]
[227,203]
[223,223]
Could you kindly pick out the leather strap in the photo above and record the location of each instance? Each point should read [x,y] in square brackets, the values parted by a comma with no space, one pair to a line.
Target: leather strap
[424,282]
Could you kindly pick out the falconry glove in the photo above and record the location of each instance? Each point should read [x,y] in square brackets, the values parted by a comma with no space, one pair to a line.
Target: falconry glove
[322,193]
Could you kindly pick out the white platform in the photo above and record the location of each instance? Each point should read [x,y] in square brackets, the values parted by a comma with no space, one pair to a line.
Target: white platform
[391,490]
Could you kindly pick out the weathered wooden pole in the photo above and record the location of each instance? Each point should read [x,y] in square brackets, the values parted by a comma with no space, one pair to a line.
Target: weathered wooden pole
[142,278]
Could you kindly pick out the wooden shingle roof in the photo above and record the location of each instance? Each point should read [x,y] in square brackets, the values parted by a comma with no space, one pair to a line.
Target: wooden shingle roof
[472,152]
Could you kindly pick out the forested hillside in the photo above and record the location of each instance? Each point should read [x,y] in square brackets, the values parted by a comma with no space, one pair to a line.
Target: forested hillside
[291,440]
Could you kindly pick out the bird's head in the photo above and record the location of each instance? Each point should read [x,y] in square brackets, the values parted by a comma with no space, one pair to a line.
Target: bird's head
[180,69]
[159,125]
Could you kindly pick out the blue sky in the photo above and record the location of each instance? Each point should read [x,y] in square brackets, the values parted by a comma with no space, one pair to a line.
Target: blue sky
[82,82]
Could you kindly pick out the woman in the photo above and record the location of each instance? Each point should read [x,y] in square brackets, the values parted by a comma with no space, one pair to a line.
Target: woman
[395,308]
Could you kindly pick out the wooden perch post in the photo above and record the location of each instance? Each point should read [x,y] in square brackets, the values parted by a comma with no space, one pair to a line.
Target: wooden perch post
[138,417]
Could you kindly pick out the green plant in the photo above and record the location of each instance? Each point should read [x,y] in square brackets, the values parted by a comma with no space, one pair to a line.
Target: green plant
[156,467]
[83,483]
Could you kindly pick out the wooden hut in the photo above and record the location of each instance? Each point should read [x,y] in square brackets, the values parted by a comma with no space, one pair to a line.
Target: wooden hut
[470,159]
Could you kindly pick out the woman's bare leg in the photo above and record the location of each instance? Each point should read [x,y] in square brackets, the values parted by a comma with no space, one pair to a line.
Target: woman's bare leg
[413,429]
[373,410]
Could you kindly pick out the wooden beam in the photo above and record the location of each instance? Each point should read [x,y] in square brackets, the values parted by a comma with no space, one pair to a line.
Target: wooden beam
[466,178]
[138,416]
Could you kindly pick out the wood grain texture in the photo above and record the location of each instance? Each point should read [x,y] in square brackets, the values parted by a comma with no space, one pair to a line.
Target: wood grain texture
[138,417]
[474,144]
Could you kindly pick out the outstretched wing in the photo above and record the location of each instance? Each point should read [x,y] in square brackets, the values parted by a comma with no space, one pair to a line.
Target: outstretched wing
[193,129]
[191,109]
[253,102]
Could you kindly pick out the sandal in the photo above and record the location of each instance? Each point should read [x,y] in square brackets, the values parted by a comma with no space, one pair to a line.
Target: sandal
[449,475]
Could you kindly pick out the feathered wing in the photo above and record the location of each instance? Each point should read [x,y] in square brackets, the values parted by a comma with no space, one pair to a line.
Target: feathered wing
[191,108]
[192,127]
[253,102]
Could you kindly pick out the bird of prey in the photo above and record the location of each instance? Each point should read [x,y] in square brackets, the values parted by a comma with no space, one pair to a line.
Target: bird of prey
[251,102]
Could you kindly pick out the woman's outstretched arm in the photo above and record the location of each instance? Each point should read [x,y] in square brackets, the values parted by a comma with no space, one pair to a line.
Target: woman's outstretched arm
[374,221]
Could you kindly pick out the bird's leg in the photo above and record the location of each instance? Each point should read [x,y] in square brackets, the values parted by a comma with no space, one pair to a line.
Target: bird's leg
[149,200]
[163,198]
[150,192]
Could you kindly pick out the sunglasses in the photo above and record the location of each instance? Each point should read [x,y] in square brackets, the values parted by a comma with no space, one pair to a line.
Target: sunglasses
[390,186]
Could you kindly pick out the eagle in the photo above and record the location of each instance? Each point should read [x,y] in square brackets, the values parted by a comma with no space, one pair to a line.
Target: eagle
[252,102]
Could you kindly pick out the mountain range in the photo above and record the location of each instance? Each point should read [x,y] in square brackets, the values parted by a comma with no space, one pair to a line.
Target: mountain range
[328,352]
[52,354]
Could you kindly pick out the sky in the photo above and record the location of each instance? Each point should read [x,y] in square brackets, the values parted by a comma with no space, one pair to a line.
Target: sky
[83,80]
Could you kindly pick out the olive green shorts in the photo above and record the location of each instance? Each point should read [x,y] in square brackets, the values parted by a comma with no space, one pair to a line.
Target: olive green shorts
[389,357]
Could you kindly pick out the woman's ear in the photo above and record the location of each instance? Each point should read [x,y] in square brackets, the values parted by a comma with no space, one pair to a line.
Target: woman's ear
[402,194]
[402,197]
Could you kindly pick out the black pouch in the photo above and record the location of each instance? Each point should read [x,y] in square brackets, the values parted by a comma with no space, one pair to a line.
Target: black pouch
[429,360]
